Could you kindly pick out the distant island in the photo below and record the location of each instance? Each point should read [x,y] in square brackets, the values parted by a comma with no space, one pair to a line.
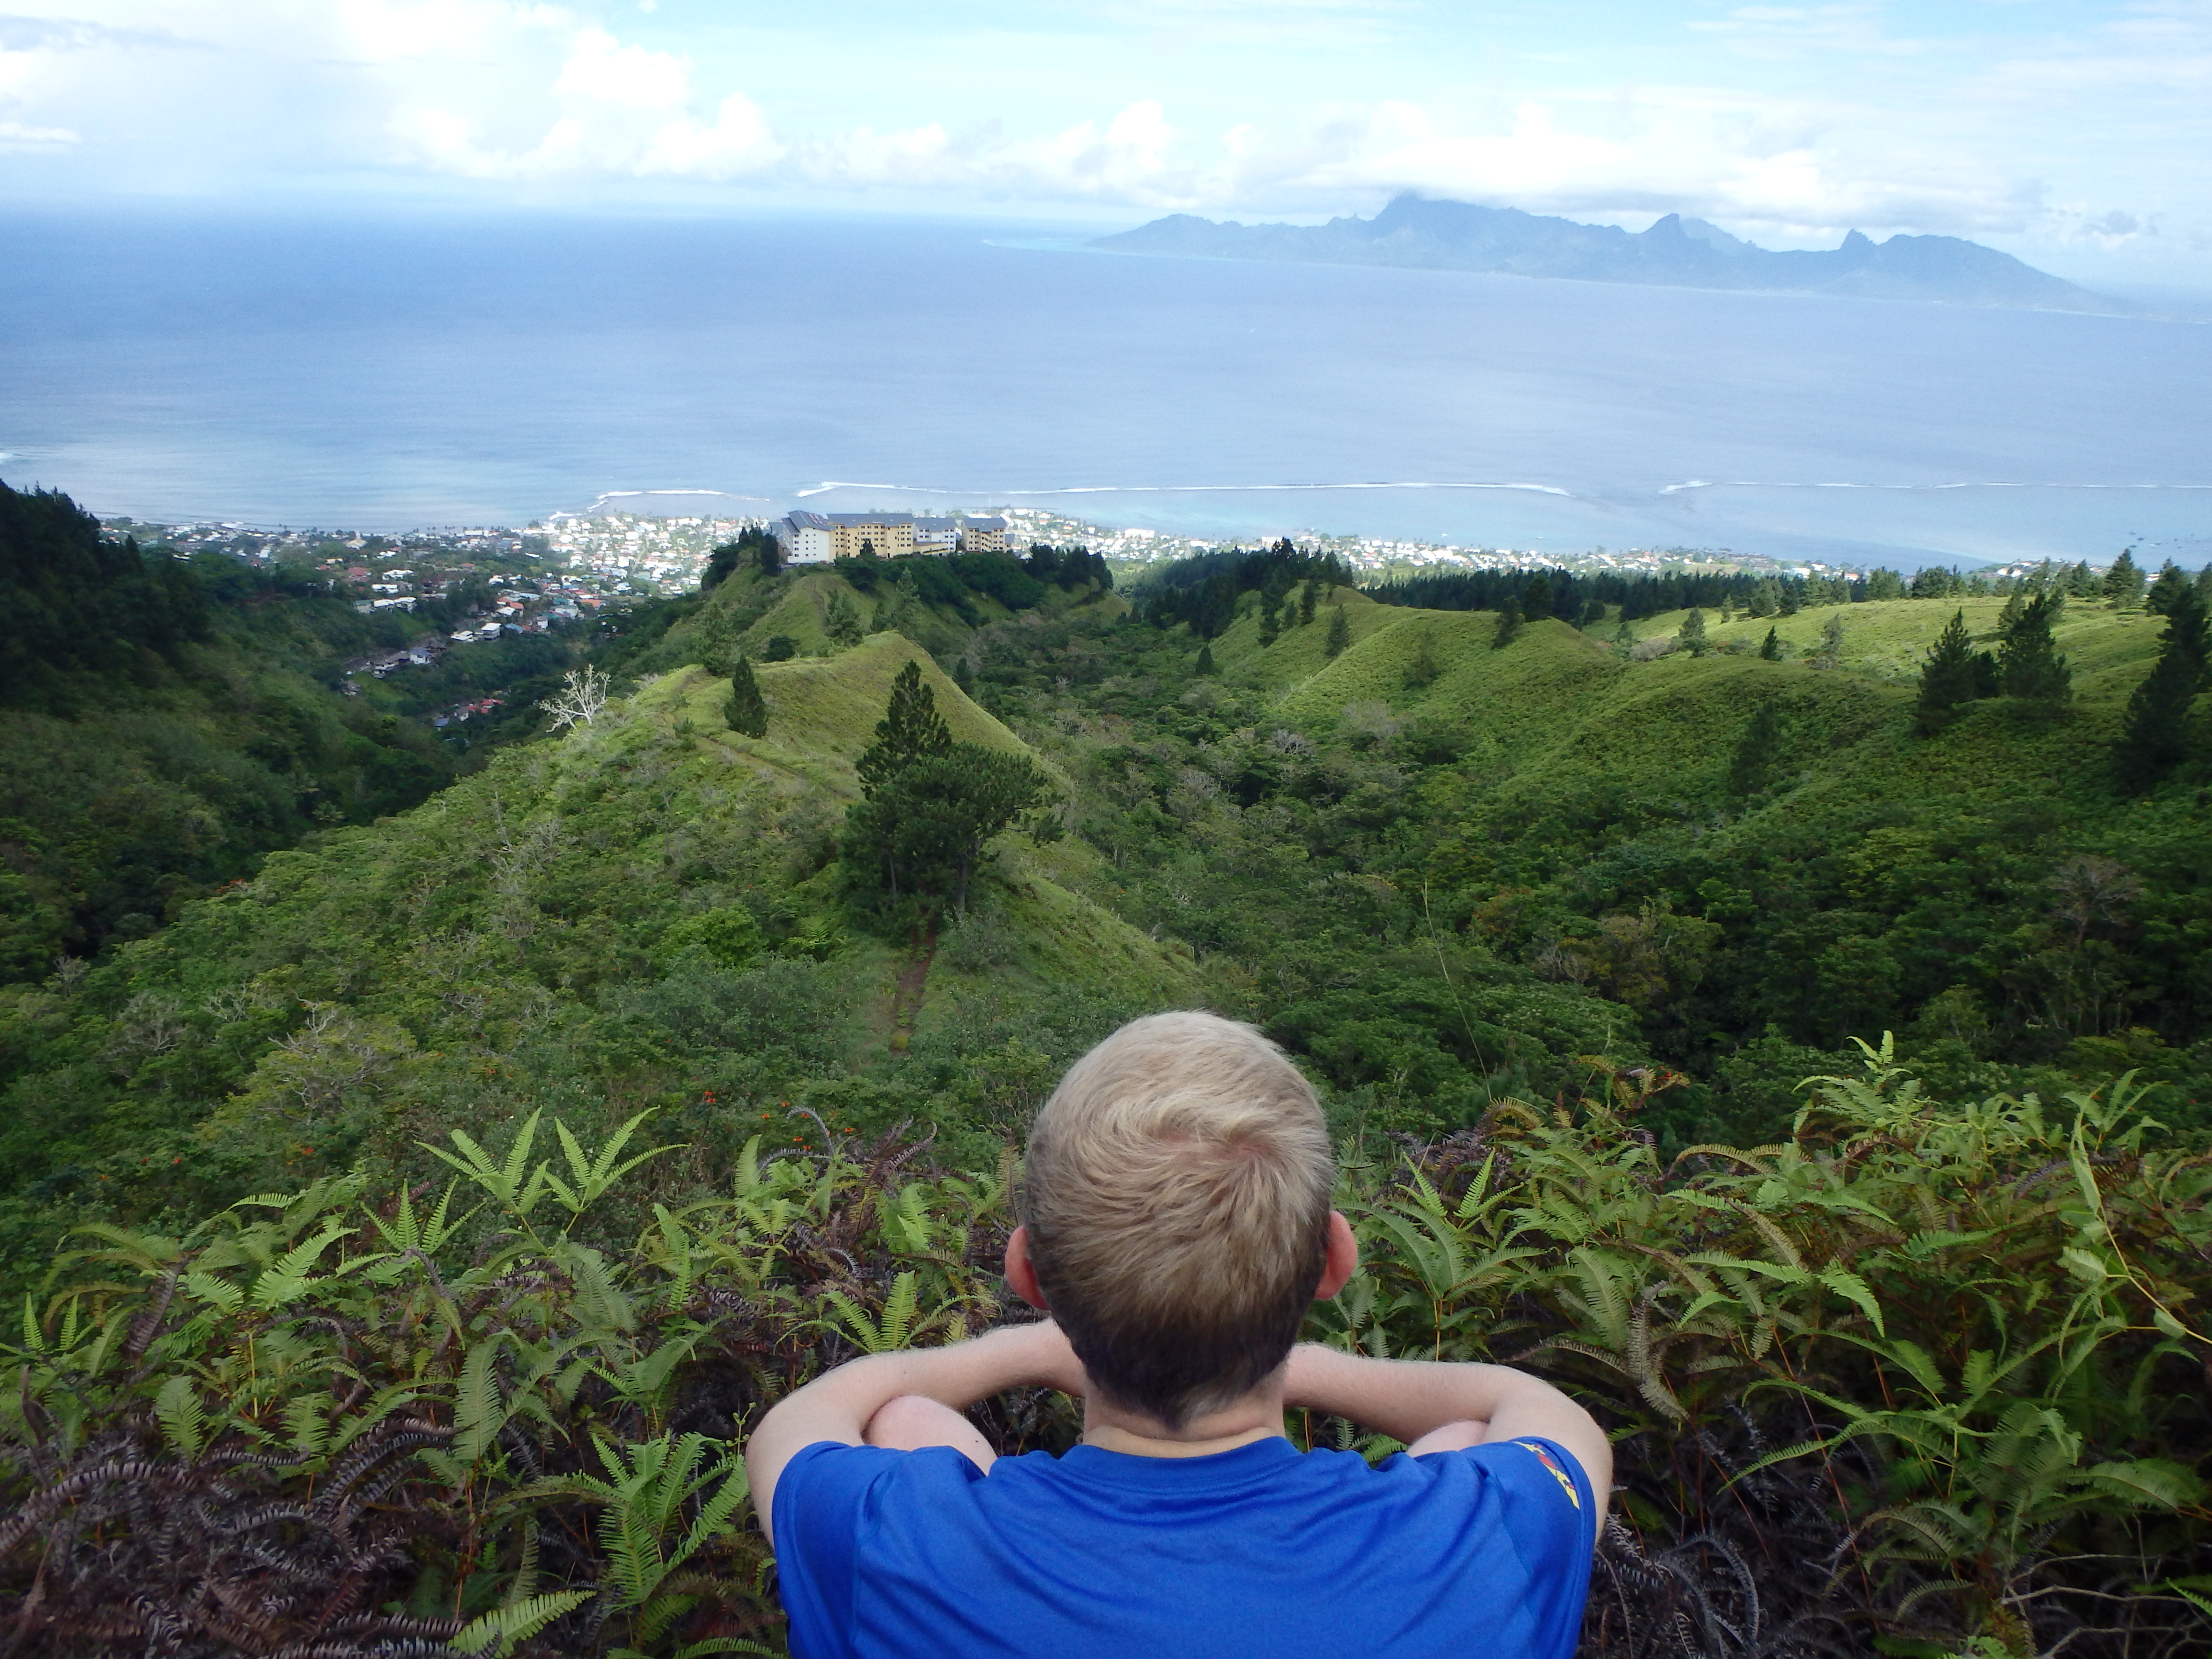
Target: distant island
[1416,231]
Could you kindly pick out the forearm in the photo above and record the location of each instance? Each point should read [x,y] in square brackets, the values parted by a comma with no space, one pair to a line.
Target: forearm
[957,1375]
[1413,1400]
[838,1405]
[1408,1398]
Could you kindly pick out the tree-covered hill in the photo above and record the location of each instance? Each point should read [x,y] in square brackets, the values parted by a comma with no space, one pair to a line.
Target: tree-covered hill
[165,722]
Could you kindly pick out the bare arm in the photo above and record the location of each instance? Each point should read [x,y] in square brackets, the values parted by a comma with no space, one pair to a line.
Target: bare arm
[841,1405]
[1438,1406]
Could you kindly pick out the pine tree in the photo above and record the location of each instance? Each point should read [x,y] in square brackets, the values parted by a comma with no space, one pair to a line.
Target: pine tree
[1536,598]
[910,730]
[746,710]
[2029,666]
[1832,642]
[2204,584]
[2084,583]
[1791,602]
[2166,590]
[1509,624]
[904,603]
[1691,636]
[2016,603]
[1769,648]
[842,619]
[1205,660]
[1339,634]
[1756,752]
[1309,595]
[2123,582]
[1947,678]
[1271,617]
[2154,739]
[963,677]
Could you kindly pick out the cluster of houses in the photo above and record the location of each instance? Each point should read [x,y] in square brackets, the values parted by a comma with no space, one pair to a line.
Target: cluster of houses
[462,711]
[819,538]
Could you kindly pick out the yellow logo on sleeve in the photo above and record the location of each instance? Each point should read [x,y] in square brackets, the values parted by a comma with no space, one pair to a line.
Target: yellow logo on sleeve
[1566,1482]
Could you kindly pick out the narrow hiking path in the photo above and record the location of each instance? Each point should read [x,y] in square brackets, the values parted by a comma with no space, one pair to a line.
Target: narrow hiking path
[906,994]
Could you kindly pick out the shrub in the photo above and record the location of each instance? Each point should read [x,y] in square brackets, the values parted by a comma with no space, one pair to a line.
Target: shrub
[1917,1378]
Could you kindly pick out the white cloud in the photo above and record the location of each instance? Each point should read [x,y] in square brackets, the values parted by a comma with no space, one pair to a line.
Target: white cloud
[615,109]
[1788,122]
[14,137]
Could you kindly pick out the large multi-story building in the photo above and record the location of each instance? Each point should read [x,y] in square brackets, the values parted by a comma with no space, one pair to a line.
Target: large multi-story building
[818,538]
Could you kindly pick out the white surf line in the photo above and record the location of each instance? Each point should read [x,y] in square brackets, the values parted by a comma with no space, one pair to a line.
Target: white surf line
[632,495]
[1988,483]
[1174,489]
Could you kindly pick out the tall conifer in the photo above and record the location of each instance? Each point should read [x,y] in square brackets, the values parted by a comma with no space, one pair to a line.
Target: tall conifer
[2123,582]
[1509,624]
[2166,590]
[1832,642]
[1692,636]
[2154,739]
[1769,648]
[1339,634]
[746,710]
[2028,664]
[1947,678]
[910,729]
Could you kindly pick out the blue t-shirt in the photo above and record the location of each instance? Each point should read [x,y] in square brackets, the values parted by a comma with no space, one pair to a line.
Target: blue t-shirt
[1262,1551]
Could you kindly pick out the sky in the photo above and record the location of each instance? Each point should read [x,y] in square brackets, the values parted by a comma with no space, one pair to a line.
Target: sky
[2076,135]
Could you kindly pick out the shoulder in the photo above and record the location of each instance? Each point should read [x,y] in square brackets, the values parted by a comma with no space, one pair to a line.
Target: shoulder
[1542,1492]
[829,1475]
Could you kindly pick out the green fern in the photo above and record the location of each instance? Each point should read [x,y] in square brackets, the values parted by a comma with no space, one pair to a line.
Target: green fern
[178,1409]
[503,1629]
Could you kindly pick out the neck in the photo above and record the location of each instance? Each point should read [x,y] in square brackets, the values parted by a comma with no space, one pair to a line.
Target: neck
[1253,1417]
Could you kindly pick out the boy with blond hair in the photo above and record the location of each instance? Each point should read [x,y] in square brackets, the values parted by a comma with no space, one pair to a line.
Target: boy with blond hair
[1176,1222]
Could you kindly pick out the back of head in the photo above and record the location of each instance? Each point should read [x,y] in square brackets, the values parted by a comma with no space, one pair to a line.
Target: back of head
[1177,1193]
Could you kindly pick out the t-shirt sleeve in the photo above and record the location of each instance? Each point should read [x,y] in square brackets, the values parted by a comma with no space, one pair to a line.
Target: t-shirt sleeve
[1549,1513]
[819,1500]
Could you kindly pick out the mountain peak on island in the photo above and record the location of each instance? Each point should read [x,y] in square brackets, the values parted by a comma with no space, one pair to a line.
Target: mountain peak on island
[1428,233]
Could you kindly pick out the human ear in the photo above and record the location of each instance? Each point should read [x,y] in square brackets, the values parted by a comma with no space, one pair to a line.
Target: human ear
[1021,1274]
[1341,1262]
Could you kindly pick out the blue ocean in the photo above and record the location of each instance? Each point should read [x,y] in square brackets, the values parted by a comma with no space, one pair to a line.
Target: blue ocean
[393,371]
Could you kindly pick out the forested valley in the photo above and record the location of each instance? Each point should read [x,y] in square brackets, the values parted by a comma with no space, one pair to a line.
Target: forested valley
[1777,1011]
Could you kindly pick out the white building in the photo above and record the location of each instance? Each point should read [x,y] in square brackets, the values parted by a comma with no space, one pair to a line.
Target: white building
[805,539]
[819,538]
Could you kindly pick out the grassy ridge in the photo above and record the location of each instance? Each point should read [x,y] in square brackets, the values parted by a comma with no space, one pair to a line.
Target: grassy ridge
[520,937]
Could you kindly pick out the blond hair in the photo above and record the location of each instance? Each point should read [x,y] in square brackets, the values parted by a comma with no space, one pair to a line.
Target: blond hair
[1177,1193]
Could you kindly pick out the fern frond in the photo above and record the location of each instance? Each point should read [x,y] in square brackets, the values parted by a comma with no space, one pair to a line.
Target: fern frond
[507,1627]
[183,1420]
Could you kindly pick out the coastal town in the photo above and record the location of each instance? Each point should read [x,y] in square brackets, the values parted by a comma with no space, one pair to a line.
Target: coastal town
[573,567]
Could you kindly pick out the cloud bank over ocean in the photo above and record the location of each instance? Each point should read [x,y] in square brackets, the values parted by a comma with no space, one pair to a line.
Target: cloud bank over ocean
[2063,133]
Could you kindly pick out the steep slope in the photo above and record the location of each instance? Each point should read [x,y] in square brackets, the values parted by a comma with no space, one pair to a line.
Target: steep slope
[163,724]
[642,913]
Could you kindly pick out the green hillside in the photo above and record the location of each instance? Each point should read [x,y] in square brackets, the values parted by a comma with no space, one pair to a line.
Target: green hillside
[533,936]
[164,723]
[1560,927]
